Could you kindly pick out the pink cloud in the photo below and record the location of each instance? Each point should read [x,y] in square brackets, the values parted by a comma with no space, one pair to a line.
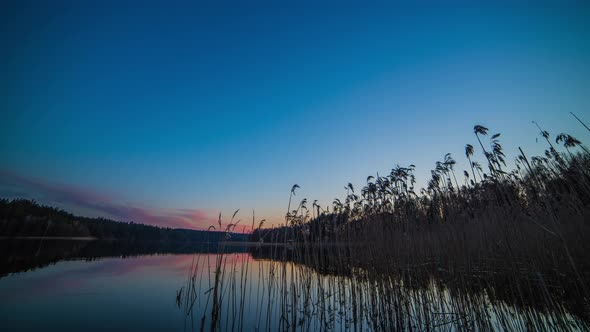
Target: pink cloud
[105,205]
[174,218]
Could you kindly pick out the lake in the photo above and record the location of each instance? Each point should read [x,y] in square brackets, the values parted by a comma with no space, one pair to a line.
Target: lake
[56,285]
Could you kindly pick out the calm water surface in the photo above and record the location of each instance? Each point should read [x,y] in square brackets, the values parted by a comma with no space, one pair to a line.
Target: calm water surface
[135,289]
[94,286]
[136,293]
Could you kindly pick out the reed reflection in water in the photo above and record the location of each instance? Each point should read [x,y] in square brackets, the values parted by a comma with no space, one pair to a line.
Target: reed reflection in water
[97,286]
[285,288]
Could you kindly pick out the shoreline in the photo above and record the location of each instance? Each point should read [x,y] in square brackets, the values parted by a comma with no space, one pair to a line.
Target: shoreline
[73,238]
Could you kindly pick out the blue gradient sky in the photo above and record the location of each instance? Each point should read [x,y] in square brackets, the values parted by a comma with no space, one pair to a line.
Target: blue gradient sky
[169,114]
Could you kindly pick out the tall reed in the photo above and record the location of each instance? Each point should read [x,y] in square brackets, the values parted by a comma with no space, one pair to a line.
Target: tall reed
[504,250]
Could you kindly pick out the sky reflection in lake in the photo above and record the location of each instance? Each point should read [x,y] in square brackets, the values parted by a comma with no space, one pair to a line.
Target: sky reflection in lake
[117,292]
[107,294]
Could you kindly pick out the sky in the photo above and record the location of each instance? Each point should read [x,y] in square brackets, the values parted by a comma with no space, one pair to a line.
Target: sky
[169,113]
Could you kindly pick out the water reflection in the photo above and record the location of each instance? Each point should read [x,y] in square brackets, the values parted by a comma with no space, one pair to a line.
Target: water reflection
[94,285]
[326,288]
[25,255]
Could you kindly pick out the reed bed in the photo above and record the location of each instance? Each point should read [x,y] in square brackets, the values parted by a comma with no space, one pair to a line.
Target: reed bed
[505,250]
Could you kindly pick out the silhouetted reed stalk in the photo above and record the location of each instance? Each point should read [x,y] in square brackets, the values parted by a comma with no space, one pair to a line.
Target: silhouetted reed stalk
[507,252]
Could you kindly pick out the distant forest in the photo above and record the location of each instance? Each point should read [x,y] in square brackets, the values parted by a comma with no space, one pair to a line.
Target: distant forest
[22,217]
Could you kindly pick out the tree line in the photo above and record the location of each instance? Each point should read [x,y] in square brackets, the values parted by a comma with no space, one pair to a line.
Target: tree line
[26,218]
